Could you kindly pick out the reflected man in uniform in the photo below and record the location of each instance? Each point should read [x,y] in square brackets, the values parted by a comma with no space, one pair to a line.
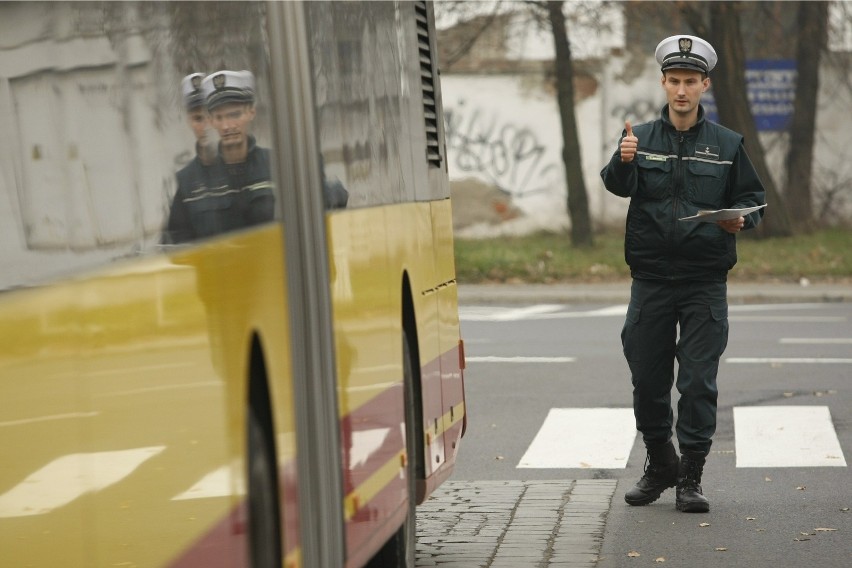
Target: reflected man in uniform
[196,116]
[236,189]
[194,173]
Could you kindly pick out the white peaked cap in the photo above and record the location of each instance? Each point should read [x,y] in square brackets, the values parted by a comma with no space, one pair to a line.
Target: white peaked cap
[686,52]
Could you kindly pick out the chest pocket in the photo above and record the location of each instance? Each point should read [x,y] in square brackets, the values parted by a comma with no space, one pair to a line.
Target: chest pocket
[706,184]
[655,178]
[212,215]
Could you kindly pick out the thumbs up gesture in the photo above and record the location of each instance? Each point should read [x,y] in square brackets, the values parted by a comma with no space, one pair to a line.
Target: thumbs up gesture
[629,144]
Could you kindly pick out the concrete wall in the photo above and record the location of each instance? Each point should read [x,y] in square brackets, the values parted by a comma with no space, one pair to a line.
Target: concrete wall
[505,130]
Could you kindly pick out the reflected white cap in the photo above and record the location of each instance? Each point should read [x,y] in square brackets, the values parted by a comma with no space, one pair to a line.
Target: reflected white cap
[190,87]
[224,87]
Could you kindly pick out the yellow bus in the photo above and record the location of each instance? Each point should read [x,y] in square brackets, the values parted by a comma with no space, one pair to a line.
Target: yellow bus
[280,390]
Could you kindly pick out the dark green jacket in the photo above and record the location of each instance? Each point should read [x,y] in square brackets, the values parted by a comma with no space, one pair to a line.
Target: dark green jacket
[221,197]
[676,174]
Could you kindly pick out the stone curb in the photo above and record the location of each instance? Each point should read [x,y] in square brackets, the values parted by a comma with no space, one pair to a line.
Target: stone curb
[508,524]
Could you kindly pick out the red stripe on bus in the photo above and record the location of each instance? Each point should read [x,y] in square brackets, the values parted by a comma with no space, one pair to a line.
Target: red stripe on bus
[225,544]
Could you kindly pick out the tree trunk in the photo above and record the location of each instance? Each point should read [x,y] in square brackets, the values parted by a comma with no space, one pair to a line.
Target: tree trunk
[812,38]
[729,87]
[578,201]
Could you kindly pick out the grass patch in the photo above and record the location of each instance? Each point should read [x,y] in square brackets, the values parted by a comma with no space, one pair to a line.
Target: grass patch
[549,258]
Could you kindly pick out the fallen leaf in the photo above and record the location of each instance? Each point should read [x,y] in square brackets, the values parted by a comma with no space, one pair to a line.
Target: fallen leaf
[499,458]
[721,549]
[751,518]
[800,488]
[788,394]
[823,529]
[659,560]
[801,539]
[633,554]
[704,525]
[845,509]
[760,530]
[767,479]
[805,534]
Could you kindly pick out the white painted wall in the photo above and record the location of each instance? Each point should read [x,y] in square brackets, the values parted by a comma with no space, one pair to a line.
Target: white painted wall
[505,130]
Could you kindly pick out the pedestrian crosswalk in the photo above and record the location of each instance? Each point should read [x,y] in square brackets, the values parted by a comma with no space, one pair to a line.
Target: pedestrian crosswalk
[765,436]
[786,436]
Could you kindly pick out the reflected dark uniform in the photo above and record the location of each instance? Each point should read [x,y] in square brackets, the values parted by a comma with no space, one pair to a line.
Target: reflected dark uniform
[235,190]
[222,197]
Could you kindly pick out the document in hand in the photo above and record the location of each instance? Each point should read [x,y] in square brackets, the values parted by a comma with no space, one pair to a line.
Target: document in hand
[721,214]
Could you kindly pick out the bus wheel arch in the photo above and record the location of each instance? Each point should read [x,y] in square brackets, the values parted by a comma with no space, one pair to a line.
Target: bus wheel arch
[413,382]
[263,504]
[400,550]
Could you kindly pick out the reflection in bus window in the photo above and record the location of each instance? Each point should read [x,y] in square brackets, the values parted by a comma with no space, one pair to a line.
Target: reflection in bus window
[91,93]
[235,190]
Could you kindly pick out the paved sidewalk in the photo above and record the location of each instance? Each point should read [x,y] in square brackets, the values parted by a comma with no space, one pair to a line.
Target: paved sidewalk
[619,293]
[514,524]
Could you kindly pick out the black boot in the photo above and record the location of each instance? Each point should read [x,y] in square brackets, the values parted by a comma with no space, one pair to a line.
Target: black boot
[660,474]
[690,499]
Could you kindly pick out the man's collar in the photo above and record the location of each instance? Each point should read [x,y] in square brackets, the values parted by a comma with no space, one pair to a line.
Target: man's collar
[664,114]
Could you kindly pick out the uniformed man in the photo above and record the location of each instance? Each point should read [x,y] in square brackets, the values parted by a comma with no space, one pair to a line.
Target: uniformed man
[671,168]
[196,115]
[236,189]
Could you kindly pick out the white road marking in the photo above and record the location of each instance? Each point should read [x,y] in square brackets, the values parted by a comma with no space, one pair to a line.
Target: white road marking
[217,483]
[69,477]
[790,360]
[774,307]
[138,370]
[495,359]
[160,388]
[816,340]
[786,436]
[36,419]
[481,313]
[789,319]
[561,311]
[598,438]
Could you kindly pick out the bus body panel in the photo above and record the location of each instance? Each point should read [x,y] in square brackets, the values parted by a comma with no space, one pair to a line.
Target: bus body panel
[129,385]
[125,377]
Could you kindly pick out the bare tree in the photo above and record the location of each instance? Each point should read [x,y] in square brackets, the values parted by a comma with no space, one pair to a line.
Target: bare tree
[578,200]
[552,16]
[811,41]
[729,88]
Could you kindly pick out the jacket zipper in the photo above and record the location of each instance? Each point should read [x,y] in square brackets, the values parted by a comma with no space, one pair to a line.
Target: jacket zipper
[676,191]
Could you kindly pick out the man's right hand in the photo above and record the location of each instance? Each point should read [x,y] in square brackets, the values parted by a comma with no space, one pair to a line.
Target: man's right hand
[629,144]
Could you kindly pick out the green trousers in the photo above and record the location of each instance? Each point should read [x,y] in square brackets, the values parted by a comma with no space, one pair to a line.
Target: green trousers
[683,321]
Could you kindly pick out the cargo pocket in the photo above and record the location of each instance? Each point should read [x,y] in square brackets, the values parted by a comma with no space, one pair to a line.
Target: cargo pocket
[719,341]
[630,333]
[212,215]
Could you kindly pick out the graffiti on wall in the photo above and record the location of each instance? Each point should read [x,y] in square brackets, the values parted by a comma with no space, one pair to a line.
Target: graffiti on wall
[636,111]
[509,155]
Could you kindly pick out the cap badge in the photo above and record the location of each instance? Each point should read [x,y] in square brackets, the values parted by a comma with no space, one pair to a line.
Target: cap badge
[219,81]
[685,44]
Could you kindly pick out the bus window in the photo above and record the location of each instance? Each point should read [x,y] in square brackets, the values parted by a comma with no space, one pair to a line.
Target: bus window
[102,130]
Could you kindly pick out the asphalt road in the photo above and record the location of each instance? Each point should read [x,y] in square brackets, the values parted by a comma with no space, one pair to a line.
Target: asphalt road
[526,358]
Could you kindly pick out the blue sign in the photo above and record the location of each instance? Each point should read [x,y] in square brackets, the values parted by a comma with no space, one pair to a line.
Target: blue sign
[771,90]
